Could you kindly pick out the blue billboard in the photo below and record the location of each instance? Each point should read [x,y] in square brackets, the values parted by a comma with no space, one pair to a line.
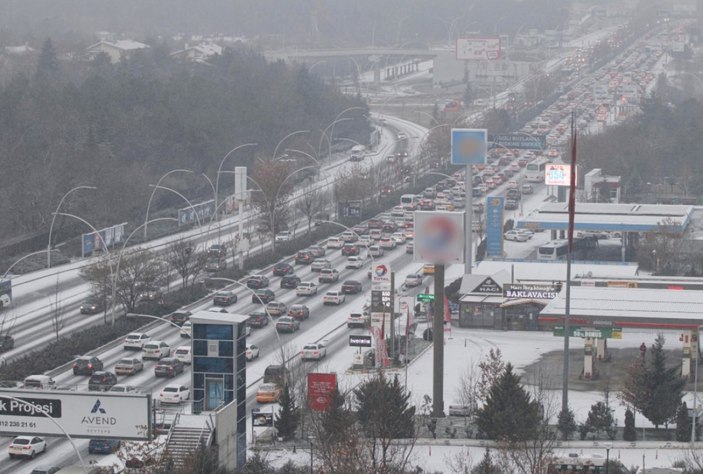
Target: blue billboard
[5,293]
[196,214]
[102,239]
[494,225]
[469,146]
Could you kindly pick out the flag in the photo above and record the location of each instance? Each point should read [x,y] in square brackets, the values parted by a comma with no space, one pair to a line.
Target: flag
[447,316]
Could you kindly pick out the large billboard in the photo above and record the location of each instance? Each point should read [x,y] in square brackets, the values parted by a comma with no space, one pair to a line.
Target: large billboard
[320,389]
[439,237]
[5,293]
[521,141]
[557,175]
[80,414]
[197,214]
[478,48]
[494,225]
[468,146]
[102,239]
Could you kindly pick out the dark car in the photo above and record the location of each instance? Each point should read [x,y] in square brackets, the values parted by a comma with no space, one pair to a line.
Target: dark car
[299,312]
[217,250]
[180,317]
[257,320]
[304,257]
[101,381]
[350,249]
[6,343]
[168,367]
[103,446]
[257,281]
[87,365]
[375,224]
[224,298]
[282,269]
[389,228]
[92,307]
[263,296]
[290,281]
[287,324]
[361,229]
[386,191]
[317,251]
[510,205]
[351,287]
[45,470]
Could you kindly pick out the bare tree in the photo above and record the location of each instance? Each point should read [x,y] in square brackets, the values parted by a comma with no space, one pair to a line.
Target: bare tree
[275,182]
[312,202]
[188,260]
[467,390]
[490,369]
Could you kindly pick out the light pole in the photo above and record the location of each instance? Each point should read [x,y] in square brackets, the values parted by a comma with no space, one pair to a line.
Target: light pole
[607,455]
[275,150]
[53,219]
[329,140]
[311,439]
[190,205]
[148,206]
[695,387]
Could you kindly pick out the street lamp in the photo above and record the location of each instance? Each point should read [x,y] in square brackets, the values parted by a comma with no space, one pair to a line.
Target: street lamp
[53,219]
[148,206]
[311,439]
[275,150]
[695,387]
[190,205]
[607,455]
[329,140]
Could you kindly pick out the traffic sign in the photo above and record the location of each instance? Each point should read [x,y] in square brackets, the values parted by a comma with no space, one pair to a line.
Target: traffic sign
[425,297]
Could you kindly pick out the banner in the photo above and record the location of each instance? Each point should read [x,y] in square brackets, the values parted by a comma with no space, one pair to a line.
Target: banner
[478,48]
[320,389]
[5,293]
[494,225]
[261,418]
[439,237]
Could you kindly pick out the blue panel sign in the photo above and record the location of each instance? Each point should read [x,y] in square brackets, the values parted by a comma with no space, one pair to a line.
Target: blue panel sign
[88,244]
[469,146]
[5,293]
[197,214]
[494,225]
[521,141]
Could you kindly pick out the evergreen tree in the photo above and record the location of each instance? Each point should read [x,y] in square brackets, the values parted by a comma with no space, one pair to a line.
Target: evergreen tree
[666,387]
[683,423]
[486,465]
[336,420]
[286,421]
[600,418]
[566,424]
[468,97]
[48,62]
[630,433]
[383,409]
[509,413]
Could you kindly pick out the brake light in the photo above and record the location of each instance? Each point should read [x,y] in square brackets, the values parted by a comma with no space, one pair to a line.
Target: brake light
[90,366]
[75,365]
[26,447]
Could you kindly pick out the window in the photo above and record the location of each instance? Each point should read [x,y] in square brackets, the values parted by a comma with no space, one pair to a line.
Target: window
[213,365]
[226,349]
[212,331]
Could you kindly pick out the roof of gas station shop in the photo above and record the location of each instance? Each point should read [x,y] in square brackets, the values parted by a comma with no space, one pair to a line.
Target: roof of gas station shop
[609,217]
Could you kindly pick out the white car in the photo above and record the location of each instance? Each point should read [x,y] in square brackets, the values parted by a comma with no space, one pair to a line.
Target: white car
[187,329]
[333,297]
[319,263]
[156,350]
[251,352]
[412,280]
[313,351]
[516,236]
[399,238]
[526,232]
[284,236]
[375,251]
[27,446]
[135,341]
[334,243]
[183,353]
[306,288]
[365,240]
[355,261]
[174,394]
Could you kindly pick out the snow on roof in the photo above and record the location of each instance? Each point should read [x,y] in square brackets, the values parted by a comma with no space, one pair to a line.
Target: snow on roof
[556,271]
[124,45]
[24,49]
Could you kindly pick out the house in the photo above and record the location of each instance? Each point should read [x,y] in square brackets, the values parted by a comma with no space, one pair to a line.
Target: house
[19,50]
[198,53]
[115,50]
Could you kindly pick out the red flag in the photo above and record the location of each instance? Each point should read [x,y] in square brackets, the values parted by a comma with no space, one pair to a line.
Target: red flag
[572,186]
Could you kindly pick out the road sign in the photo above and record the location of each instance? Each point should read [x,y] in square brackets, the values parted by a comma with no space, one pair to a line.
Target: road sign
[425,297]
[468,146]
[359,341]
[593,332]
[518,140]
[478,48]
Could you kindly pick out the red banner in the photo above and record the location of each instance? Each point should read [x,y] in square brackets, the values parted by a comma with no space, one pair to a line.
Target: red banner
[320,388]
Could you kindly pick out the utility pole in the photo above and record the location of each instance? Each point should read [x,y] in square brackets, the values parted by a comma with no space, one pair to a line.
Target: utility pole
[438,343]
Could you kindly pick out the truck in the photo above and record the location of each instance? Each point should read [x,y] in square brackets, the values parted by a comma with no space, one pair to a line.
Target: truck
[358,153]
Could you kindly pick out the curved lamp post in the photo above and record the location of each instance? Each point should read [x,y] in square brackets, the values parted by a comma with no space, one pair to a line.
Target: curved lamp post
[219,171]
[190,205]
[148,206]
[275,150]
[329,141]
[53,219]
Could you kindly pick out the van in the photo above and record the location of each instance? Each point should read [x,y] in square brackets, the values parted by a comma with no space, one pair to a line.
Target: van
[39,382]
[275,374]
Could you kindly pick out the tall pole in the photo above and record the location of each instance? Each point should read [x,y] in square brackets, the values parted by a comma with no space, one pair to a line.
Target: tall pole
[695,388]
[53,219]
[438,343]
[148,206]
[392,325]
[468,224]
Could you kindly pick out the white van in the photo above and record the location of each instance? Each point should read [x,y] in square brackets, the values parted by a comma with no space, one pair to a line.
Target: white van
[358,152]
[39,382]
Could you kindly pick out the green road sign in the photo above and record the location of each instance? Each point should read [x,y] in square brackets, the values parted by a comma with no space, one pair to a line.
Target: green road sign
[425,297]
[584,332]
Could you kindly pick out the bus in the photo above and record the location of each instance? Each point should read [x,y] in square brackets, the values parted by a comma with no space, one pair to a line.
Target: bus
[554,250]
[534,171]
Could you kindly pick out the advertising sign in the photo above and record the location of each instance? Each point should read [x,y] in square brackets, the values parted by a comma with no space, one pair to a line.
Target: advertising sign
[81,414]
[102,239]
[198,213]
[494,225]
[518,140]
[320,388]
[261,418]
[592,332]
[439,237]
[5,293]
[542,292]
[557,175]
[240,183]
[359,341]
[350,209]
[468,146]
[478,48]
[381,277]
[381,321]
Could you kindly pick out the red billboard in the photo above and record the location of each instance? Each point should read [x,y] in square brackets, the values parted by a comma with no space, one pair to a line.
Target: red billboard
[320,388]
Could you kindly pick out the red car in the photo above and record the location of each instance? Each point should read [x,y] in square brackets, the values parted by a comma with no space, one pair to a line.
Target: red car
[350,249]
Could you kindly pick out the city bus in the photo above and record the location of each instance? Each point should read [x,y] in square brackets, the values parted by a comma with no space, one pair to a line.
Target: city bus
[534,171]
[554,250]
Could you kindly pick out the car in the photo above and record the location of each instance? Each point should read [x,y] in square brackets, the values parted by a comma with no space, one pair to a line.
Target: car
[306,288]
[263,295]
[102,381]
[224,298]
[276,308]
[349,236]
[364,241]
[399,238]
[358,320]
[351,287]
[121,388]
[299,312]
[386,191]
[217,250]
[174,394]
[34,382]
[304,257]
[516,236]
[290,281]
[251,352]
[334,243]
[333,297]
[184,354]
[135,341]
[350,249]
[527,189]
[361,229]
[317,251]
[129,366]
[45,470]
[375,251]
[26,446]
[283,236]
[7,342]
[510,205]
[319,263]
[187,329]
[410,248]
[257,320]
[280,269]
[180,317]
[375,234]
[257,281]
[268,393]
[156,350]
[87,365]
[287,324]
[103,446]
[215,264]
[168,367]
[355,262]
[413,280]
[92,307]
[328,275]
[387,243]
[428,269]
[513,194]
[313,351]
[526,232]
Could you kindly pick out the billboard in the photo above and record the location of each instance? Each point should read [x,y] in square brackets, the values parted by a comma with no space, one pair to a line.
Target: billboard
[439,237]
[261,418]
[359,341]
[320,389]
[350,209]
[494,225]
[381,277]
[520,141]
[478,48]
[557,175]
[5,293]
[81,414]
[526,291]
[468,146]
[197,213]
[102,239]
